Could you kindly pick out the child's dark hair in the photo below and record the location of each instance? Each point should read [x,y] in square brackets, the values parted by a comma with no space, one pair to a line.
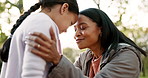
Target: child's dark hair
[73,7]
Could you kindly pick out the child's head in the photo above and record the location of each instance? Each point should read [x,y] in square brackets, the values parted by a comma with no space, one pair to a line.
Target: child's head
[66,15]
[73,6]
[63,12]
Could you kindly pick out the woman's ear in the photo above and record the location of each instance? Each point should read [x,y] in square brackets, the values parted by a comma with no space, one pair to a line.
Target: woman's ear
[64,8]
[100,31]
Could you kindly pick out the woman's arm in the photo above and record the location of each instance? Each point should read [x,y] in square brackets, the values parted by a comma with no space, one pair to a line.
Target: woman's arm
[124,65]
[65,69]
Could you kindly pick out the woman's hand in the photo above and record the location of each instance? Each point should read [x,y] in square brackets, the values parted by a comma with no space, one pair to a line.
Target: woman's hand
[44,47]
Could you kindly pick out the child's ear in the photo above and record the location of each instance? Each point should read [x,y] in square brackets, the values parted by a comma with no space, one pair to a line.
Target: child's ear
[64,8]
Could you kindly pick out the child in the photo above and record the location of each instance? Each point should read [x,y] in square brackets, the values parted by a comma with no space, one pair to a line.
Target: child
[58,14]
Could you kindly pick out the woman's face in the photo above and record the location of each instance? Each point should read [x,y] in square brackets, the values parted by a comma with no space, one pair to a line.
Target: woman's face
[86,33]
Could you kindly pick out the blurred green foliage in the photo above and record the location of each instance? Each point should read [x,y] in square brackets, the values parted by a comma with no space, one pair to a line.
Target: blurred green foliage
[71,54]
[4,8]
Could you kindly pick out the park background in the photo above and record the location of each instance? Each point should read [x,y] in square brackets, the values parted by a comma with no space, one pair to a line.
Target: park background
[130,16]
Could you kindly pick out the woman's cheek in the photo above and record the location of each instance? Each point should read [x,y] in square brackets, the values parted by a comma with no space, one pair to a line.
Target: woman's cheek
[83,32]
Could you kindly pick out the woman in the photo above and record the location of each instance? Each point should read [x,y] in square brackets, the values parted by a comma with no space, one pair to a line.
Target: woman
[110,55]
[21,62]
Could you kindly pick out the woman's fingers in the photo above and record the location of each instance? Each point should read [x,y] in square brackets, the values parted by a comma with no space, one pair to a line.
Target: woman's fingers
[41,36]
[48,56]
[41,54]
[37,40]
[40,47]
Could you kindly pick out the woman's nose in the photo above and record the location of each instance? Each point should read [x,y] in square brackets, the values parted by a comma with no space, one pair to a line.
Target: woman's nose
[77,34]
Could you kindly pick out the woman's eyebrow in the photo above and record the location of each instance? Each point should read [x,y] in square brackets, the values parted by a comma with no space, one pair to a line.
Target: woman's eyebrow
[82,23]
[79,24]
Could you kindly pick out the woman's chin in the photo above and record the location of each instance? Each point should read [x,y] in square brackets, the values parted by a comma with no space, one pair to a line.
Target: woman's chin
[81,47]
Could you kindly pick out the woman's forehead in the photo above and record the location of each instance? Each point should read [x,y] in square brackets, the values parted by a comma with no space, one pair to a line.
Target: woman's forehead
[82,19]
[79,23]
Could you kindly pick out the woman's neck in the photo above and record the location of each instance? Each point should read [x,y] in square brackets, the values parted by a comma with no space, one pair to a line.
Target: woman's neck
[97,50]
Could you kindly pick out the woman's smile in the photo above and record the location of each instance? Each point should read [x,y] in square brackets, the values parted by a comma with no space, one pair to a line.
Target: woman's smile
[79,40]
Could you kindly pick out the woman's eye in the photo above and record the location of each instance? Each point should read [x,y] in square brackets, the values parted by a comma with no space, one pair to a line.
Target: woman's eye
[82,28]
